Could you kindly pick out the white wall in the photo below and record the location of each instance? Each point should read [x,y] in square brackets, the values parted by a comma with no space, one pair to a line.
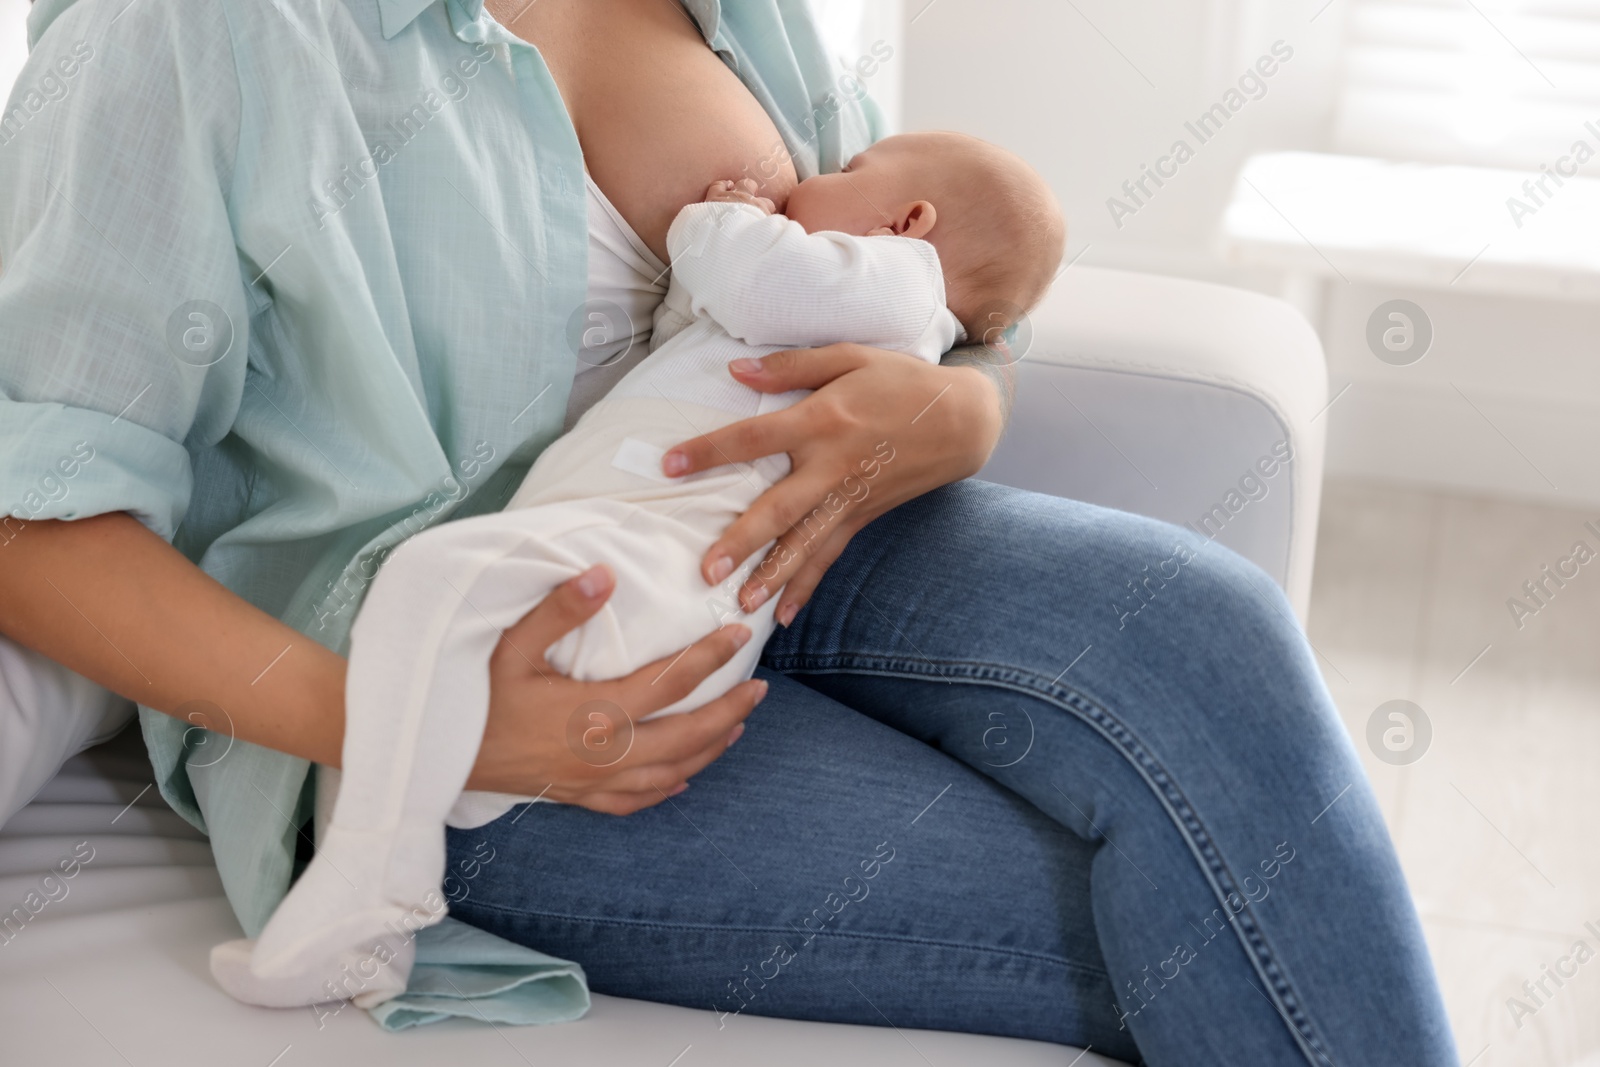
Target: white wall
[851,29]
[13,41]
[1040,78]
[1045,78]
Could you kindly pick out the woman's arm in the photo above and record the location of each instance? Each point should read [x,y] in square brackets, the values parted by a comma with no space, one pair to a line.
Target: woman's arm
[116,603]
[113,601]
[995,362]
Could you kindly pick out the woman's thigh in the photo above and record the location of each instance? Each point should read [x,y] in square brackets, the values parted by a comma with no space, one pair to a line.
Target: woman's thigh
[818,870]
[1151,692]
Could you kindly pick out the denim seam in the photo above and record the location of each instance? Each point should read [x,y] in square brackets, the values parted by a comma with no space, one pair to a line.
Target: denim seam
[896,939]
[1030,683]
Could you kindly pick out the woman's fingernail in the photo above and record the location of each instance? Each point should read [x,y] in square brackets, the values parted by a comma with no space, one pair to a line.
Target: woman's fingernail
[720,568]
[741,635]
[745,366]
[761,691]
[592,582]
[735,734]
[674,464]
[681,787]
[758,597]
[786,613]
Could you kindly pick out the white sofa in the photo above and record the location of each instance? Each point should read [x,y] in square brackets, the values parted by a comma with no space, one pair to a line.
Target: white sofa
[1151,394]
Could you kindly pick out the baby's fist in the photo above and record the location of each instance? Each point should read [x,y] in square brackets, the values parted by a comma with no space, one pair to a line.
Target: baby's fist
[738,192]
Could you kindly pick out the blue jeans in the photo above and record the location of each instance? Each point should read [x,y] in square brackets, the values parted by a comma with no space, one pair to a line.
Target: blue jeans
[1027,767]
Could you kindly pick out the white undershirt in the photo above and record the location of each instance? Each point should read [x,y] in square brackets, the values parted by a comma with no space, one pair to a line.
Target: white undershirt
[627,282]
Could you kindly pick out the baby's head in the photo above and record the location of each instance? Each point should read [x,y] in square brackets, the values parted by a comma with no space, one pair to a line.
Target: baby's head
[994,222]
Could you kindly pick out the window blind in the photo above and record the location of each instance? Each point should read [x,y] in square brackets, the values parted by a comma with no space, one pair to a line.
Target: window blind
[1494,82]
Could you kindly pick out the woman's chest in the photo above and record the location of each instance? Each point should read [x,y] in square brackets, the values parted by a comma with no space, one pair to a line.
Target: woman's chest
[658,114]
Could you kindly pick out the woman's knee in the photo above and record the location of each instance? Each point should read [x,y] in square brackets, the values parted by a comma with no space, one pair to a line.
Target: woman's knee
[1106,570]
[1142,597]
[1218,596]
[1213,637]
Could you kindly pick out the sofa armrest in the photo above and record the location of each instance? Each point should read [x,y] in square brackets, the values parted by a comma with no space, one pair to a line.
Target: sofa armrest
[1168,398]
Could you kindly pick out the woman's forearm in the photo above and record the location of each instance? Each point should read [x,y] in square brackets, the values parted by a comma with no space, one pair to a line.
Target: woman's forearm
[997,364]
[114,602]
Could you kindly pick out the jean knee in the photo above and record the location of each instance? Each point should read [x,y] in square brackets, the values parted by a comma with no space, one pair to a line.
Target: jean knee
[1237,639]
[1238,596]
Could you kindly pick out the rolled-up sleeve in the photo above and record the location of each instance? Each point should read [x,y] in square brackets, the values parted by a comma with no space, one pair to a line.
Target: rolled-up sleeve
[123,310]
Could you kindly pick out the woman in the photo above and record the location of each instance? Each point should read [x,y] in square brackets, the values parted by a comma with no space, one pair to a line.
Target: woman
[301,279]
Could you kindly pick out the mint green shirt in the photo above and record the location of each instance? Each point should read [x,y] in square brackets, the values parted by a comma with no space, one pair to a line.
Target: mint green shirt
[289,283]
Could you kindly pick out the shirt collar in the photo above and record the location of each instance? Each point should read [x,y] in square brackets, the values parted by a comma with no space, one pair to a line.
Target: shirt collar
[396,15]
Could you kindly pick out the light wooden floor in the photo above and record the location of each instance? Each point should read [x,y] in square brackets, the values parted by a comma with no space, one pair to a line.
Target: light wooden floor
[1498,821]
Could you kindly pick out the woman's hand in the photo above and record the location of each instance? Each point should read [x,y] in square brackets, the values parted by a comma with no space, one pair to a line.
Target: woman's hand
[882,428]
[582,742]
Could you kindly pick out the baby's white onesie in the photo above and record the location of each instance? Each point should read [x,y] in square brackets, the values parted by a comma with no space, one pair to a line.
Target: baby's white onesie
[744,284]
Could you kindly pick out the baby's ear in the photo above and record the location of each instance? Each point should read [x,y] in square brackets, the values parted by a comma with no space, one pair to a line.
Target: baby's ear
[915,219]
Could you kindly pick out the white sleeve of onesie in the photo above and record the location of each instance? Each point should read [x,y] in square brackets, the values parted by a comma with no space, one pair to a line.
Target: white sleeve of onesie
[766,281]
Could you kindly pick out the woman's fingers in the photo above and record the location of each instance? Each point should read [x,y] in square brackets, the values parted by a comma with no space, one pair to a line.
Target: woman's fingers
[570,605]
[676,748]
[619,803]
[780,431]
[671,678]
[800,368]
[668,776]
[798,586]
[679,739]
[793,512]
[664,777]
[791,551]
[737,442]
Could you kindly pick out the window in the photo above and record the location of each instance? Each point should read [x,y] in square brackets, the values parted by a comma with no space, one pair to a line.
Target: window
[1494,82]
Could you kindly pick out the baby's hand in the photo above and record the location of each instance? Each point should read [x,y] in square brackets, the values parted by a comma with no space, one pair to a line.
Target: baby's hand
[740,192]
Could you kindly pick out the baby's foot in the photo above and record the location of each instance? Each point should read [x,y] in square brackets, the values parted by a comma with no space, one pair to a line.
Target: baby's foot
[337,935]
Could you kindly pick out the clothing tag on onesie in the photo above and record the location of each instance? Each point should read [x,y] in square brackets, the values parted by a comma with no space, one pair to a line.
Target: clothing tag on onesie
[642,458]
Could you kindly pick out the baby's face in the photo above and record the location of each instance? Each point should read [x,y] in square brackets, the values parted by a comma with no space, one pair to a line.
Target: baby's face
[992,218]
[870,197]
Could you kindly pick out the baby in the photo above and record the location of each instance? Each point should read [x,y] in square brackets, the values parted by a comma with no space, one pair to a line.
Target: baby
[922,240]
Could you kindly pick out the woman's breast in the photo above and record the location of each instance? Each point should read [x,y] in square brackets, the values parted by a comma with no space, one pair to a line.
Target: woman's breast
[659,115]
